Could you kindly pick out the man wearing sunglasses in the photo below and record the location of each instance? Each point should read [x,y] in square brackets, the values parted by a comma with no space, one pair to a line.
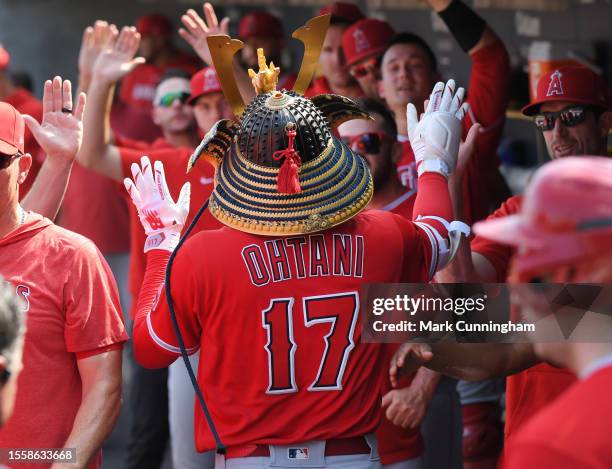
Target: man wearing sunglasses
[70,387]
[409,68]
[363,44]
[572,109]
[148,394]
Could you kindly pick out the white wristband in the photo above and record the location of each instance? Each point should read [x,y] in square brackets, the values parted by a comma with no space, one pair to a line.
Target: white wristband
[164,240]
[433,166]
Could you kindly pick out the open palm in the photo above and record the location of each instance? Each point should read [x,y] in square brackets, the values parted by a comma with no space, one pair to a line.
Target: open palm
[117,60]
[61,132]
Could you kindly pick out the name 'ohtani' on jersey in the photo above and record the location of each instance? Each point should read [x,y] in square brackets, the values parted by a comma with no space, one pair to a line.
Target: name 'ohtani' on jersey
[304,256]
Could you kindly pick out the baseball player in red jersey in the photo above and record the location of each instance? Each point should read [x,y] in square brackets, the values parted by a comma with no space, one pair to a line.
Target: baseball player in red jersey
[571,109]
[364,43]
[409,69]
[306,370]
[562,232]
[70,388]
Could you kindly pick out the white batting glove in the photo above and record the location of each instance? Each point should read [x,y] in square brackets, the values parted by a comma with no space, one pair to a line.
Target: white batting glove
[161,217]
[435,138]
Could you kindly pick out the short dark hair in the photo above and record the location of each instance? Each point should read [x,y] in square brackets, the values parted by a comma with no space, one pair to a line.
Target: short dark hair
[375,106]
[409,38]
[11,320]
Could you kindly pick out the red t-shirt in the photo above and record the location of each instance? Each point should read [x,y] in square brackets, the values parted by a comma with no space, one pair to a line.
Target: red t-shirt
[72,307]
[530,390]
[138,87]
[488,99]
[26,103]
[499,255]
[573,432]
[260,308]
[175,160]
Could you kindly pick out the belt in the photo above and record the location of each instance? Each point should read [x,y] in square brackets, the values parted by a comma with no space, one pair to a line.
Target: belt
[333,447]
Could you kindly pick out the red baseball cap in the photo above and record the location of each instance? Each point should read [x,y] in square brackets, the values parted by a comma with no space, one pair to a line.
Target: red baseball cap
[4,58]
[154,24]
[578,85]
[345,11]
[366,38]
[12,129]
[566,215]
[260,24]
[204,82]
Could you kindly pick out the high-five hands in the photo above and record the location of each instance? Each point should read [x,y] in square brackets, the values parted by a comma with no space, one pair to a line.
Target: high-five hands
[161,217]
[435,137]
[61,131]
[196,30]
[117,59]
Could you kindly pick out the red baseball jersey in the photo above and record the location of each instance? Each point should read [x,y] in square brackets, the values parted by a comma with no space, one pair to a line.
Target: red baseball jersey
[573,432]
[175,160]
[499,255]
[403,205]
[72,310]
[530,390]
[488,99]
[26,103]
[138,87]
[278,322]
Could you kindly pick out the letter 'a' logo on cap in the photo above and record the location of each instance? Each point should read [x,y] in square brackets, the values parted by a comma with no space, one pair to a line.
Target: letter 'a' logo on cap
[361,41]
[555,86]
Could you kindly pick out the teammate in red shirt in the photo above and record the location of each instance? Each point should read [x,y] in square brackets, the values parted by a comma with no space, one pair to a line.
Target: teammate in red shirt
[113,159]
[22,100]
[408,69]
[335,78]
[282,379]
[70,388]
[562,232]
[571,109]
[364,43]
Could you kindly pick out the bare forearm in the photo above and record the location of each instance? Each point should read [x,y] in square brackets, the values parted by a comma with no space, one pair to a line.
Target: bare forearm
[427,380]
[97,135]
[93,423]
[474,362]
[47,192]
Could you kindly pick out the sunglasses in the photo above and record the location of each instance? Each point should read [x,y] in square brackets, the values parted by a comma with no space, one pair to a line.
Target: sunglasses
[6,160]
[168,99]
[570,117]
[369,142]
[364,69]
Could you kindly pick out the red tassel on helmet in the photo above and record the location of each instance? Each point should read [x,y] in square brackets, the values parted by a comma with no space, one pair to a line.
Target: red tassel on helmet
[288,181]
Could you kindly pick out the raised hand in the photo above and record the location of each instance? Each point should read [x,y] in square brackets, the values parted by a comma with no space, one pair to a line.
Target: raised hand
[196,30]
[161,217]
[61,132]
[117,59]
[435,137]
[95,40]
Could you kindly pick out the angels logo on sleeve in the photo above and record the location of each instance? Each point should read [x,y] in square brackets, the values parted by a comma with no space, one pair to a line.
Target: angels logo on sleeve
[555,87]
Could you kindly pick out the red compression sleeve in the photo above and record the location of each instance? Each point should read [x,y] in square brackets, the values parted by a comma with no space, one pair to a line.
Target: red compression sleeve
[147,350]
[433,199]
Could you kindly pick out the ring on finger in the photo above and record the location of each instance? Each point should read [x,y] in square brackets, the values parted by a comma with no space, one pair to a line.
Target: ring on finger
[67,110]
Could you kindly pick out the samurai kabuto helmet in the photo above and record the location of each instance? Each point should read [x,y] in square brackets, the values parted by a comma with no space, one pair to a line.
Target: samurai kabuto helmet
[279,168]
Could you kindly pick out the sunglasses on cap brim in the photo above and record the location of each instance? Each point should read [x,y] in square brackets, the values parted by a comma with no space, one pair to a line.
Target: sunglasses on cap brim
[6,160]
[168,99]
[569,117]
